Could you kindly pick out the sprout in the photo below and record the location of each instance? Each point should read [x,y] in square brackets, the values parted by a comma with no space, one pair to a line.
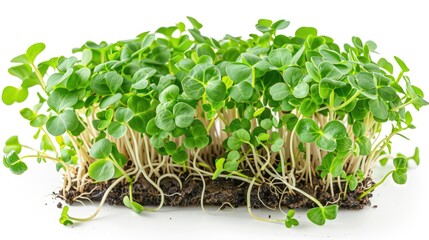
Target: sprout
[272,110]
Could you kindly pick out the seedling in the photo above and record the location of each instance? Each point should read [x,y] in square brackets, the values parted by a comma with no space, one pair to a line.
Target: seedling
[272,111]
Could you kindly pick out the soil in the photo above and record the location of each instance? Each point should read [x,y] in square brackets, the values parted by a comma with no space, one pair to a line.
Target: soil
[222,191]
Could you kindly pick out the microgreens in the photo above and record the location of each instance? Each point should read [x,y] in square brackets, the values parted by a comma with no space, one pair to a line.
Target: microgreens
[274,109]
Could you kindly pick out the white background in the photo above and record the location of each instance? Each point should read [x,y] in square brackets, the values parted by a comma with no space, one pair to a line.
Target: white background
[26,205]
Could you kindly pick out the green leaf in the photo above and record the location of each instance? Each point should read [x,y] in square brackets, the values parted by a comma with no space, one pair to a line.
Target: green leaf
[314,42]
[86,57]
[241,92]
[242,135]
[280,24]
[101,170]
[28,114]
[264,25]
[316,216]
[141,78]
[292,76]
[297,56]
[13,162]
[328,70]
[204,73]
[185,64]
[34,50]
[10,159]
[416,156]
[79,79]
[301,90]
[400,163]
[331,212]
[117,130]
[277,145]
[335,129]
[12,144]
[307,130]
[65,219]
[319,215]
[401,64]
[331,164]
[183,115]
[312,71]
[231,166]
[280,57]
[101,149]
[400,177]
[193,88]
[170,147]
[279,91]
[239,72]
[98,85]
[330,56]
[199,138]
[379,109]
[304,32]
[165,120]
[353,182]
[344,145]
[205,50]
[308,107]
[263,137]
[364,145]
[11,95]
[327,85]
[216,90]
[23,72]
[65,63]
[331,132]
[238,138]
[327,143]
[123,115]
[382,62]
[194,22]
[46,144]
[180,157]
[366,81]
[387,93]
[56,126]
[61,99]
[233,156]
[138,104]
[266,124]
[113,81]
[357,42]
[170,93]
[359,128]
[58,78]
[290,221]
[219,168]
[110,100]
[67,120]
[39,121]
[136,207]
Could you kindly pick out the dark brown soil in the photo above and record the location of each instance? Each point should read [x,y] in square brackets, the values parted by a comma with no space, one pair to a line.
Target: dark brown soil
[222,191]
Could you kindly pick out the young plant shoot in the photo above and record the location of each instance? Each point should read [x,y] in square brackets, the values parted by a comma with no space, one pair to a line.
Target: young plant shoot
[279,120]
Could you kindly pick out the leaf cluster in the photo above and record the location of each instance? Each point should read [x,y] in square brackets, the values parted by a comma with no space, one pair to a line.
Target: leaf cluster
[175,86]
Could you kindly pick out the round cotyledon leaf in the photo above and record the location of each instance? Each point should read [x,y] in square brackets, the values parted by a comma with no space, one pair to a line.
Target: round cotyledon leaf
[101,170]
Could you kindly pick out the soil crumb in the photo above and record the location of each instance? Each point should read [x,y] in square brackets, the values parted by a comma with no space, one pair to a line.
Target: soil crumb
[220,191]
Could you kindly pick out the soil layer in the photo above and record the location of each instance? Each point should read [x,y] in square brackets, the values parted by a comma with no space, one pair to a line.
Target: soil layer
[222,191]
